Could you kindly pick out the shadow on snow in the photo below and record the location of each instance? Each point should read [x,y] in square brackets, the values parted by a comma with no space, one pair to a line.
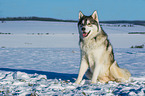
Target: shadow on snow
[50,75]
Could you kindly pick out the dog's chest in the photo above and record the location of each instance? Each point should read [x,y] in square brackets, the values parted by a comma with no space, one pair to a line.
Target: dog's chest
[92,50]
[92,53]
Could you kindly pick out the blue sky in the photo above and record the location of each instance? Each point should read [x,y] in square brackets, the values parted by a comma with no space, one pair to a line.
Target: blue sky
[69,9]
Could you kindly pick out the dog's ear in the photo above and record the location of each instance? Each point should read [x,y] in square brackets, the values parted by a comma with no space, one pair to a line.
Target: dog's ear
[95,16]
[80,15]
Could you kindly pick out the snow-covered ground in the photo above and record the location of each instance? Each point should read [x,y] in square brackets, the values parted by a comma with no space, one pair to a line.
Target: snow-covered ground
[33,62]
[38,34]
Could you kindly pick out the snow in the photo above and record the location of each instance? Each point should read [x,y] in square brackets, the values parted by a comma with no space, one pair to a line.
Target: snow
[39,85]
[38,34]
[48,64]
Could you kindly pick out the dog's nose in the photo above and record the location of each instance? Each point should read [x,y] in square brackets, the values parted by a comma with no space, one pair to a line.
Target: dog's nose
[83,29]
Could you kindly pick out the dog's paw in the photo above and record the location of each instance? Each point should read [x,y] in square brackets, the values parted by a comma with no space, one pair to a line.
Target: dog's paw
[92,82]
[81,82]
[77,82]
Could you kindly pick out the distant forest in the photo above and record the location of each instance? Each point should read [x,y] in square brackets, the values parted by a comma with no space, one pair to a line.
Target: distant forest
[137,22]
[33,19]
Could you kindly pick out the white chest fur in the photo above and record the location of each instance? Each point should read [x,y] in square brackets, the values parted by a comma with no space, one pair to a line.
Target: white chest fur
[92,51]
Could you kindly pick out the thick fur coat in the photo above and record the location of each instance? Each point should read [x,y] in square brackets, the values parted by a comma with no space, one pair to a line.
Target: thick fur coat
[97,57]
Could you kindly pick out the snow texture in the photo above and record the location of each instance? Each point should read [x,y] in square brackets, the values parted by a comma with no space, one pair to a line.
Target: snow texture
[32,64]
[37,34]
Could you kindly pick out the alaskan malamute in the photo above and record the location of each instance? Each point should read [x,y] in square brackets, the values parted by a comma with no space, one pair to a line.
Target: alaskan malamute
[97,57]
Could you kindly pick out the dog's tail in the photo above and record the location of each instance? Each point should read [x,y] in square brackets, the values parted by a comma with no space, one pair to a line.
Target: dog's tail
[120,75]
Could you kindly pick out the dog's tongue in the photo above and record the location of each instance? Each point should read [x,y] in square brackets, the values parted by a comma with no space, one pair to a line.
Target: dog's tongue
[84,34]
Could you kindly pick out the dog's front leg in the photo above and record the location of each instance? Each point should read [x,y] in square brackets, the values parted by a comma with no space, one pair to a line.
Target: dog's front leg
[96,73]
[83,69]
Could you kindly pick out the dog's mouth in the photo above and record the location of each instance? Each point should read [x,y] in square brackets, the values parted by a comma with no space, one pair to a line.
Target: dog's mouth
[85,34]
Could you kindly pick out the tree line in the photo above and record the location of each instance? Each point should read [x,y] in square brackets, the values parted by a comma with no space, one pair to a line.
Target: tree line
[33,19]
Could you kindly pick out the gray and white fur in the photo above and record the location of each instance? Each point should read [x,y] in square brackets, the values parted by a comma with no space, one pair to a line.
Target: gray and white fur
[97,57]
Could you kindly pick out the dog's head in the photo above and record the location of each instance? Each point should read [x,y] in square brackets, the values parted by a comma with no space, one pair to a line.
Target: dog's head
[88,26]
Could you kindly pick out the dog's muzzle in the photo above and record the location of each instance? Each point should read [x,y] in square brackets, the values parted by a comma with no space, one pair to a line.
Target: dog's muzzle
[85,34]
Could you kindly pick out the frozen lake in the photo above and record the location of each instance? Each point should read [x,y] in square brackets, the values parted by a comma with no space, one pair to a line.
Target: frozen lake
[42,58]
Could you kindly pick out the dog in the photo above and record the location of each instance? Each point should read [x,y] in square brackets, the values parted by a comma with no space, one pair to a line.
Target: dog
[97,57]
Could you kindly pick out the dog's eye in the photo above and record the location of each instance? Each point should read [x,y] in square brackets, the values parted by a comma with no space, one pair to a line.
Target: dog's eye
[89,24]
